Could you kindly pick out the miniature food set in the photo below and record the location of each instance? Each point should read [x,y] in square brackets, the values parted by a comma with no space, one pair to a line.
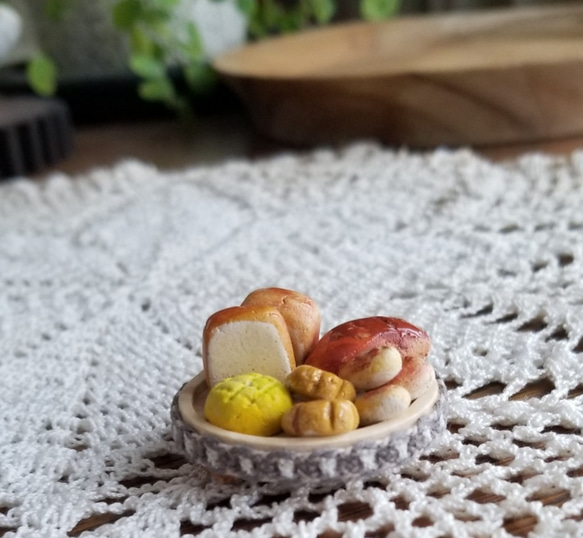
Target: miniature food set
[276,402]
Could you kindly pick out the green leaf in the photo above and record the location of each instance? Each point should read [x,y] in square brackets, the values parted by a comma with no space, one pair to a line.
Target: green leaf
[157,90]
[141,42]
[247,7]
[292,21]
[41,74]
[167,5]
[305,9]
[323,10]
[256,27]
[194,47]
[55,9]
[374,10]
[272,14]
[155,16]
[127,13]
[147,67]
[200,77]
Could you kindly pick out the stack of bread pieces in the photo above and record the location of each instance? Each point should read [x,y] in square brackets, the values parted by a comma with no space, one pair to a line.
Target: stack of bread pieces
[267,369]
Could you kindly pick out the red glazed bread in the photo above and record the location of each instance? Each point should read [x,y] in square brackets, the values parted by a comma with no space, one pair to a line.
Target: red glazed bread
[363,350]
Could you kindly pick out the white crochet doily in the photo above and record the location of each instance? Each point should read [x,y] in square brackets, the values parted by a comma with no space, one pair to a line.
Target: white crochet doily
[107,279]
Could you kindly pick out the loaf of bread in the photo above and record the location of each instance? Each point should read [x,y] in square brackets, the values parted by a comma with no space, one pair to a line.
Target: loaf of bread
[301,314]
[247,339]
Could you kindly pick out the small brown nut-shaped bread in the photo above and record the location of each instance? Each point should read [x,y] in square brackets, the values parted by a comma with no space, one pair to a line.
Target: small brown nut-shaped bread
[301,314]
[318,418]
[316,384]
[383,403]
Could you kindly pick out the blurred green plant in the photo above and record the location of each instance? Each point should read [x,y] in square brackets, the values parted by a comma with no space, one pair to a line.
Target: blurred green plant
[155,45]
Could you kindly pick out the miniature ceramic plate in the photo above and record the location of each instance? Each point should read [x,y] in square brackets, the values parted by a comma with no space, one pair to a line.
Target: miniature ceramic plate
[367,451]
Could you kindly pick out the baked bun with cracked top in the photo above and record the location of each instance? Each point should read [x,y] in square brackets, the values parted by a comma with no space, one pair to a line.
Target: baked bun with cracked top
[301,314]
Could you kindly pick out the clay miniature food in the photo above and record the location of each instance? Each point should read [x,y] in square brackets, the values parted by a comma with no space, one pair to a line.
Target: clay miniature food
[250,403]
[271,332]
[246,339]
[369,351]
[317,418]
[267,370]
[313,383]
[385,359]
[301,314]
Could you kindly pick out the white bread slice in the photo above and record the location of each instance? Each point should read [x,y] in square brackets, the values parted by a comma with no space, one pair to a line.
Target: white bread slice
[246,339]
[301,314]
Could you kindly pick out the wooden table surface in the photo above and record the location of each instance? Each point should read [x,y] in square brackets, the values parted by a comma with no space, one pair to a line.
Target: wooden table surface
[171,146]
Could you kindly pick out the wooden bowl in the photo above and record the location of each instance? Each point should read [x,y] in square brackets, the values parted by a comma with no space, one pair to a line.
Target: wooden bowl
[366,451]
[475,78]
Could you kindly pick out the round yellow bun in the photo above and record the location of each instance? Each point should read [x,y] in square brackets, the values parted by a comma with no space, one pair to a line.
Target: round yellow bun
[249,403]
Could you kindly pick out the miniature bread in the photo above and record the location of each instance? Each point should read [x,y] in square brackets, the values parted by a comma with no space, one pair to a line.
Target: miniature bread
[384,403]
[300,312]
[417,376]
[253,404]
[316,384]
[247,339]
[320,418]
[372,369]
[361,350]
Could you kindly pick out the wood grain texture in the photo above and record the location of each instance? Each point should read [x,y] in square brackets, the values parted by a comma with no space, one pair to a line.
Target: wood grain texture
[500,76]
[169,146]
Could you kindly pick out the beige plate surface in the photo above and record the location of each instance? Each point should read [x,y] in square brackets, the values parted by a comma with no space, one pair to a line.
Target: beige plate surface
[191,403]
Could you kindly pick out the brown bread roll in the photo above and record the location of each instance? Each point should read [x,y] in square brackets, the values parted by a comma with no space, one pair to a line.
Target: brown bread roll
[301,314]
[320,418]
